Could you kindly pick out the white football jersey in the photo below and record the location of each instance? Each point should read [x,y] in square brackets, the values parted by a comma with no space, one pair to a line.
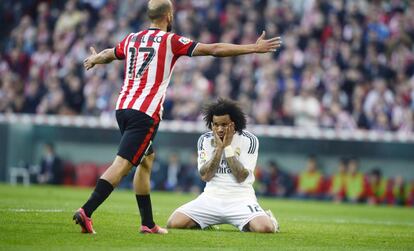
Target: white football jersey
[224,184]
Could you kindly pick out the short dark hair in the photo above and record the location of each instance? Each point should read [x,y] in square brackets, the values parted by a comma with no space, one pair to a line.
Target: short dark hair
[225,107]
[158,11]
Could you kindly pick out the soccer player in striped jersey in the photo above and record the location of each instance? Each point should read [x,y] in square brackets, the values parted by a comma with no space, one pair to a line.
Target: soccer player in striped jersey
[227,158]
[150,56]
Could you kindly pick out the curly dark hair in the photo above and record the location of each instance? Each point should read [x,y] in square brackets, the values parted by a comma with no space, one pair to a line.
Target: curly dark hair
[225,107]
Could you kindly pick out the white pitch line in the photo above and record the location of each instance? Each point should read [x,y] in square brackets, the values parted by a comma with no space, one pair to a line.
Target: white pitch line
[28,210]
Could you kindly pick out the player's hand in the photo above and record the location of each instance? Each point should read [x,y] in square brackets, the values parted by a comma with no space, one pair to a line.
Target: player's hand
[89,62]
[228,135]
[269,45]
[217,140]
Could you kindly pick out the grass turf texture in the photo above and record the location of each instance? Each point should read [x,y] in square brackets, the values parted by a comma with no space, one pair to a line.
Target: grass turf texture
[40,218]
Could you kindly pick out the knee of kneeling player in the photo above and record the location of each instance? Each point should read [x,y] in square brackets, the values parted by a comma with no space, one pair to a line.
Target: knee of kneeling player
[263,228]
[173,223]
[178,222]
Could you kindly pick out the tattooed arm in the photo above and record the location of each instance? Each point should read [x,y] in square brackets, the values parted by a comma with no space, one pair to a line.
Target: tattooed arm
[237,169]
[209,169]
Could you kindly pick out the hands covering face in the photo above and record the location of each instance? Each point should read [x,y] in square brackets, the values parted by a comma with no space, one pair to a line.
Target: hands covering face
[222,142]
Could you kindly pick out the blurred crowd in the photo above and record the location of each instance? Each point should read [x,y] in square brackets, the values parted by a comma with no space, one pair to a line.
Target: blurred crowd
[344,64]
[347,184]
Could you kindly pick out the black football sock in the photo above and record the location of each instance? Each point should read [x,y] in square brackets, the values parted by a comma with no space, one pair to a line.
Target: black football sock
[102,190]
[145,209]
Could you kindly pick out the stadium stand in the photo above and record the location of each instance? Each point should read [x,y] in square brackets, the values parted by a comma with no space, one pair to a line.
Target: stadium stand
[345,64]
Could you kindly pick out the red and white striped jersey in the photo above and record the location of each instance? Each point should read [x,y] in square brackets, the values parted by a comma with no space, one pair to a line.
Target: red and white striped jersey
[150,58]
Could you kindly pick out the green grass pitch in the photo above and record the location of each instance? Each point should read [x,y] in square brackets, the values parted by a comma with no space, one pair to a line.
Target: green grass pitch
[40,218]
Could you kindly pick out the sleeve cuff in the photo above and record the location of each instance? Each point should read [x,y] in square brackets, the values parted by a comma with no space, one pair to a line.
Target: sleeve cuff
[116,55]
[191,49]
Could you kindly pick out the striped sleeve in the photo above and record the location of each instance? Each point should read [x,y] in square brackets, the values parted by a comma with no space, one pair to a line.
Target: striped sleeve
[250,149]
[200,144]
[204,151]
[119,50]
[254,142]
[182,46]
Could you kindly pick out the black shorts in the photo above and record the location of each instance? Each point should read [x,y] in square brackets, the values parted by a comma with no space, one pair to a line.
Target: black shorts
[137,130]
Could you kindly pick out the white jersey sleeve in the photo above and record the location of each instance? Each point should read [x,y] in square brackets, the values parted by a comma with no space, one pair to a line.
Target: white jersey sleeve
[204,149]
[249,151]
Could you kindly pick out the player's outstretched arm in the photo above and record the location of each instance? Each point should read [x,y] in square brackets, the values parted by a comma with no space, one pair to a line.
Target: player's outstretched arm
[104,57]
[226,50]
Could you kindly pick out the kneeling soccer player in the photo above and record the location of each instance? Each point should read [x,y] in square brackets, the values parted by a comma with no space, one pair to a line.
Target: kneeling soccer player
[227,157]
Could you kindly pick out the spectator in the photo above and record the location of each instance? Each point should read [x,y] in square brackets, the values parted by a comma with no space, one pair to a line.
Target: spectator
[188,178]
[377,185]
[158,175]
[69,19]
[395,193]
[355,183]
[337,188]
[278,182]
[259,185]
[173,168]
[306,109]
[310,180]
[51,168]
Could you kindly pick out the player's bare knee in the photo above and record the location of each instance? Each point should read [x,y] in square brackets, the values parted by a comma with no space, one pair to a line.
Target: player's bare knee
[144,169]
[146,164]
[268,228]
[174,223]
[265,228]
[178,220]
[121,170]
[170,223]
[262,227]
[122,166]
[117,170]
[150,157]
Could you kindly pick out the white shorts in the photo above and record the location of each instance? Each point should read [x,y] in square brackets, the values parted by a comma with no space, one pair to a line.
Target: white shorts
[207,211]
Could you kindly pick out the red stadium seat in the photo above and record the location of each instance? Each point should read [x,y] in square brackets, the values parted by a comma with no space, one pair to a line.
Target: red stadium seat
[86,174]
[69,174]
